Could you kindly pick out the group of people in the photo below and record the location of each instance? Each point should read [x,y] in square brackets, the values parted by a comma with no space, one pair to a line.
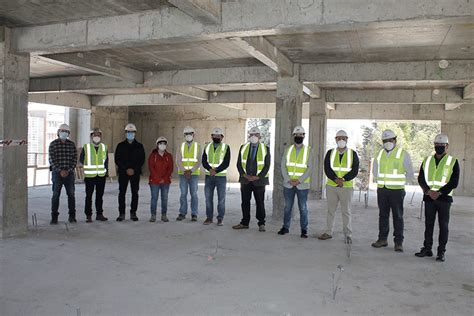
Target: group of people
[392,170]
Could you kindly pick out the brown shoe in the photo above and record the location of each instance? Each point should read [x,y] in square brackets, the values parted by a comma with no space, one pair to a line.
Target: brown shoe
[89,219]
[261,228]
[324,236]
[240,226]
[380,243]
[208,221]
[398,248]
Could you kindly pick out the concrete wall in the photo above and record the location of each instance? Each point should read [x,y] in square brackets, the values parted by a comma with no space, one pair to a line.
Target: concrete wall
[112,121]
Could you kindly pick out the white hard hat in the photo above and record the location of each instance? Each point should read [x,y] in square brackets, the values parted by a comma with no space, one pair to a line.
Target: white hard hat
[254,130]
[217,131]
[341,133]
[64,127]
[299,130]
[96,130]
[441,139]
[130,128]
[188,129]
[388,134]
[161,139]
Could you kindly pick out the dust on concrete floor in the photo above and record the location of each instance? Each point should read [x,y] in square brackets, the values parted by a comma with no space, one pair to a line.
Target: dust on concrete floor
[184,268]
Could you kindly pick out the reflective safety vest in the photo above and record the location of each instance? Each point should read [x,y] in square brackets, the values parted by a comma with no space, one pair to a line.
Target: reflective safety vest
[391,171]
[341,167]
[215,157]
[261,154]
[94,160]
[297,165]
[438,176]
[189,157]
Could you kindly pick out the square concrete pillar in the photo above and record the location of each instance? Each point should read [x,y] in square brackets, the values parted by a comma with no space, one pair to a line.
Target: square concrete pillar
[288,112]
[14,81]
[317,139]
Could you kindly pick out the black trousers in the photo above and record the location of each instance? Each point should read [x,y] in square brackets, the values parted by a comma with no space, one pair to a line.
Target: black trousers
[134,180]
[97,184]
[442,208]
[246,191]
[390,200]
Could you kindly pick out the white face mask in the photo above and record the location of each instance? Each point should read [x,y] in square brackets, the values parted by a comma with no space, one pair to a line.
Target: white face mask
[162,147]
[388,145]
[96,139]
[253,139]
[341,143]
[189,138]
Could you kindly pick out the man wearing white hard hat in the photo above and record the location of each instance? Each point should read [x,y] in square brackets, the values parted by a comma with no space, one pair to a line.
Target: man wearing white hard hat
[341,166]
[94,158]
[392,169]
[188,160]
[253,164]
[438,177]
[62,161]
[160,164]
[129,157]
[296,167]
[215,160]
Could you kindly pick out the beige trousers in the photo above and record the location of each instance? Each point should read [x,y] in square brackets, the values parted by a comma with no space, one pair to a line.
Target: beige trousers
[335,196]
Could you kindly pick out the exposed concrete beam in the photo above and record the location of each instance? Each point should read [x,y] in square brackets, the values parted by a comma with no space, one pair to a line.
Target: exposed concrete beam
[243,18]
[191,92]
[468,92]
[312,90]
[96,64]
[206,11]
[72,100]
[452,106]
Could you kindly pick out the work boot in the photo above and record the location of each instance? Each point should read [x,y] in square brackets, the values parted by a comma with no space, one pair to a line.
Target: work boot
[261,228]
[440,256]
[240,226]
[380,243]
[88,219]
[304,234]
[424,252]
[398,248]
[180,217]
[194,218]
[348,240]
[219,222]
[164,218]
[100,217]
[133,216]
[208,221]
[121,217]
[324,236]
[72,219]
[54,219]
[152,218]
[283,231]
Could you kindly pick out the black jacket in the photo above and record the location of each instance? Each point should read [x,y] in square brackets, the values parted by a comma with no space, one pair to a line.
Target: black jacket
[130,156]
[252,165]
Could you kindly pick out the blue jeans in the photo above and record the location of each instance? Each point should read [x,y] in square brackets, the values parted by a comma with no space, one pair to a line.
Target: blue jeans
[192,184]
[212,183]
[155,192]
[289,195]
[58,183]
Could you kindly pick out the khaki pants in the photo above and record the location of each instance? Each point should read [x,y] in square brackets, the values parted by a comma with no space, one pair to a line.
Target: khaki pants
[335,196]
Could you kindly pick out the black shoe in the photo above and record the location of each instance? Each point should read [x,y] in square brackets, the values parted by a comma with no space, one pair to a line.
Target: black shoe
[89,219]
[283,231]
[54,220]
[194,218]
[121,217]
[424,252]
[304,234]
[133,217]
[440,257]
[180,217]
[101,217]
[72,219]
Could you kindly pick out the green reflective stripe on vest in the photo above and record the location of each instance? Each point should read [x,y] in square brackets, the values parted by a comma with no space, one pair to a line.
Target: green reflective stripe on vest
[215,157]
[341,167]
[297,165]
[438,176]
[261,154]
[189,157]
[391,171]
[94,161]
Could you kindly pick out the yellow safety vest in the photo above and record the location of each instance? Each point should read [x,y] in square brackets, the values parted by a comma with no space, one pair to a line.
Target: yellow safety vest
[261,154]
[297,165]
[94,161]
[391,171]
[341,168]
[438,176]
[189,157]
[215,157]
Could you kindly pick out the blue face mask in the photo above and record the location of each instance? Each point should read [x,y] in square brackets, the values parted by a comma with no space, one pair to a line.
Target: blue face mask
[63,135]
[130,136]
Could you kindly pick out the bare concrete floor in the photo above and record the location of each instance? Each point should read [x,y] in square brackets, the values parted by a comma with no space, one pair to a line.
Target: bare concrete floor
[184,268]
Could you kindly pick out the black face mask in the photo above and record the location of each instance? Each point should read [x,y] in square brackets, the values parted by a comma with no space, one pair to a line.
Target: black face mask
[216,140]
[440,149]
[298,139]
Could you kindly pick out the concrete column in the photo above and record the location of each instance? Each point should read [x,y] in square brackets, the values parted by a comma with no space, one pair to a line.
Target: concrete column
[14,81]
[317,139]
[288,112]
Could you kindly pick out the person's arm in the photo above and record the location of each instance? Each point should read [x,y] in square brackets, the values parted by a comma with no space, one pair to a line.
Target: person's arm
[119,158]
[170,166]
[239,163]
[82,156]
[308,171]
[284,168]
[73,161]
[205,163]
[106,162]
[355,168]
[453,181]
[141,159]
[408,168]
[225,164]
[375,172]
[266,167]
[199,161]
[179,159]
[327,166]
[151,165]
[422,181]
[52,157]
